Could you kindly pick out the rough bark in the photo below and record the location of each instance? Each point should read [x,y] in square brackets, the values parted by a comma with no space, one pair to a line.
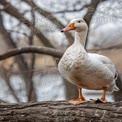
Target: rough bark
[61,112]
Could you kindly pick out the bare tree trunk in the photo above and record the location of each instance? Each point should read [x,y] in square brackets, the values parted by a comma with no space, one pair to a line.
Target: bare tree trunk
[91,11]
[61,112]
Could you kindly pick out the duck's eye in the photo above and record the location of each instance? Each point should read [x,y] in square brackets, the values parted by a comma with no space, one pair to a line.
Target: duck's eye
[79,21]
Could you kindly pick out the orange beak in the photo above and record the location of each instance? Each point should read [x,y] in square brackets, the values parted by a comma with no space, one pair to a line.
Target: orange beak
[68,28]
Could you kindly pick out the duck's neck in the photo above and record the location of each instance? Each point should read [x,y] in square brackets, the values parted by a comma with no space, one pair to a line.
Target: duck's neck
[79,43]
[80,38]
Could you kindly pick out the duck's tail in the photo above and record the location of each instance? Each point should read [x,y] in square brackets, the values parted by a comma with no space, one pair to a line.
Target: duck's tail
[117,77]
[117,94]
[115,88]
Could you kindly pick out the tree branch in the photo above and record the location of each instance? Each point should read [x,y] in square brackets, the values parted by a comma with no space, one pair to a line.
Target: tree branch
[31,49]
[45,50]
[61,112]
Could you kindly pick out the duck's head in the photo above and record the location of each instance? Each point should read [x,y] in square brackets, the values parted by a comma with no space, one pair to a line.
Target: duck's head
[77,25]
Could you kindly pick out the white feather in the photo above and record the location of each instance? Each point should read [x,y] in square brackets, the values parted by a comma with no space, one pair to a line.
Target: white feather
[87,70]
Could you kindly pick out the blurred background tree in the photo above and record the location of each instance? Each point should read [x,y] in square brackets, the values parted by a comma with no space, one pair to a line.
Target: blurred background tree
[34,77]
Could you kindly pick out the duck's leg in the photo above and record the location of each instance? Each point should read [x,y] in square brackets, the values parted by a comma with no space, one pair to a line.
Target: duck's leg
[103,98]
[80,99]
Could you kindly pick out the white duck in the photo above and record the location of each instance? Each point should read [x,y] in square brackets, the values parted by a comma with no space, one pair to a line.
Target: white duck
[86,70]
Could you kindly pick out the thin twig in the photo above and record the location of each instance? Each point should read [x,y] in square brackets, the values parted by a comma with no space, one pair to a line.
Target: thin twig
[7,80]
[70,11]
[106,48]
[18,32]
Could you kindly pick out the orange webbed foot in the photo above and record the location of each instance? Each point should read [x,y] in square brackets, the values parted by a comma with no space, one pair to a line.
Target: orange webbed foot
[81,99]
[99,100]
[103,100]
[77,101]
